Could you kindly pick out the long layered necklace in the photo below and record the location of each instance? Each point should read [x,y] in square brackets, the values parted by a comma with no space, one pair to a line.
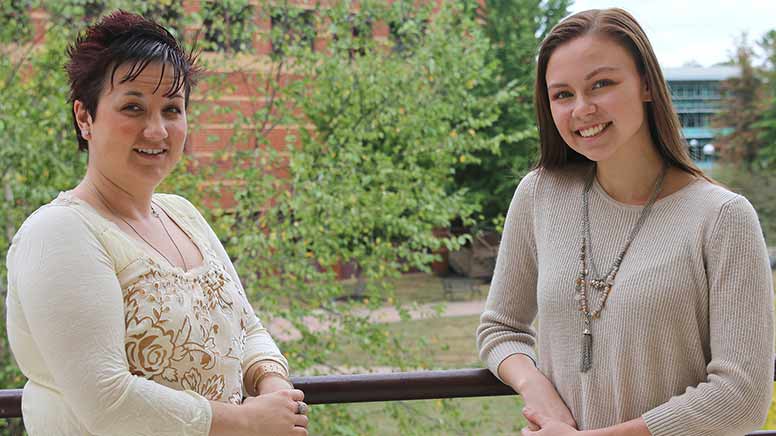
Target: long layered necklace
[155,215]
[601,284]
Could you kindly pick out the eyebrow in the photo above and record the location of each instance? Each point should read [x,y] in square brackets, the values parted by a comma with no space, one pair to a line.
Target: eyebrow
[587,77]
[140,94]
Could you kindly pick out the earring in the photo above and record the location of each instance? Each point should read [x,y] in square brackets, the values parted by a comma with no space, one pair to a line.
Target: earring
[85,134]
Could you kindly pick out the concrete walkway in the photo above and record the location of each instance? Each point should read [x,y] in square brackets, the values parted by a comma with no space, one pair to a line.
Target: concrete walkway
[282,329]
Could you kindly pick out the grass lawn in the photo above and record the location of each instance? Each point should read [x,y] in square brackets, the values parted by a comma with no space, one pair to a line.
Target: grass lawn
[484,416]
[449,344]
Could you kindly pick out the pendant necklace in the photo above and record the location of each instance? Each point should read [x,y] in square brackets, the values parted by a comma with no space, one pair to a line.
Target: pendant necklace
[156,215]
[602,284]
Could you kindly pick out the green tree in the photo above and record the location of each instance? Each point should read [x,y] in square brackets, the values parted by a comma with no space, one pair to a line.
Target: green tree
[767,123]
[741,109]
[515,28]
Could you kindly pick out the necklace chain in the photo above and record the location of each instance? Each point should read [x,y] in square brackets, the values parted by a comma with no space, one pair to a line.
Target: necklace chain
[156,215]
[602,284]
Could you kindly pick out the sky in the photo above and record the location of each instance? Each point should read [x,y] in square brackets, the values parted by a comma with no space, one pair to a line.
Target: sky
[703,31]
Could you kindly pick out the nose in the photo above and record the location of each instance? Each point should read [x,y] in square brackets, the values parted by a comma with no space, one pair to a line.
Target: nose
[584,108]
[155,129]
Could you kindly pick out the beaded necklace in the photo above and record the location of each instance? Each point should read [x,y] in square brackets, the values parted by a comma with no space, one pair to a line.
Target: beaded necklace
[602,284]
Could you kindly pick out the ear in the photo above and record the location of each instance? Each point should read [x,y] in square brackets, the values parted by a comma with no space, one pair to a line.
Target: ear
[83,118]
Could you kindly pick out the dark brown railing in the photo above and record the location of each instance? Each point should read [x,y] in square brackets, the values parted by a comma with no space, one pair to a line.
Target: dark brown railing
[359,388]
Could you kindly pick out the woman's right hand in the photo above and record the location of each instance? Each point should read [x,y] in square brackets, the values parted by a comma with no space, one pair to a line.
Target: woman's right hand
[537,391]
[271,414]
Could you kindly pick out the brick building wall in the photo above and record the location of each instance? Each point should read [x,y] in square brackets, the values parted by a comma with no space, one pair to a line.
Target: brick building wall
[241,87]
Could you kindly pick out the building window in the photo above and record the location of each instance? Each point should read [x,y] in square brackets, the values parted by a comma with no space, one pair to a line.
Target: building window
[292,28]
[227,25]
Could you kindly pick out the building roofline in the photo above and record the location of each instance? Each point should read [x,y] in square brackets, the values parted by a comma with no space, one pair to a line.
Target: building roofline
[687,74]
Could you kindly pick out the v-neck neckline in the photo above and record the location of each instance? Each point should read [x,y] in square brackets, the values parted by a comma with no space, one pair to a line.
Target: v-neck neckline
[146,251]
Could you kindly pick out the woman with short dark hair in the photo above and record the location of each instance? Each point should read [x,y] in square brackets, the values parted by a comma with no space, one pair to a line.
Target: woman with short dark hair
[649,282]
[124,310]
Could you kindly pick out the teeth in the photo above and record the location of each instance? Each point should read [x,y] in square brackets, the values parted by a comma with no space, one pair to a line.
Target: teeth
[593,130]
[150,150]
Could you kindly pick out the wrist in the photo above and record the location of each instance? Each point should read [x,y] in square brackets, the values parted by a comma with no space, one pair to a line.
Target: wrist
[262,372]
[273,382]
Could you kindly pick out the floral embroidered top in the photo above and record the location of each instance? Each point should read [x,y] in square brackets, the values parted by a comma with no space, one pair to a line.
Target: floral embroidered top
[116,341]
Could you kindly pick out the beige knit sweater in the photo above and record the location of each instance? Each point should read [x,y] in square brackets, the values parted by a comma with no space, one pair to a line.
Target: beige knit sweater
[686,338]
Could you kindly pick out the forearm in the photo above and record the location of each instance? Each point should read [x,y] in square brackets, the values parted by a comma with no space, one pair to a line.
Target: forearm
[518,371]
[634,427]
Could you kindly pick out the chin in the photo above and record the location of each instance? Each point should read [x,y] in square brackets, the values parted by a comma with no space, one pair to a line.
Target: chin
[595,155]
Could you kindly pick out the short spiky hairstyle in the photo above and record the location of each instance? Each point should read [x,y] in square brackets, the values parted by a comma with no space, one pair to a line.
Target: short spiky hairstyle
[124,38]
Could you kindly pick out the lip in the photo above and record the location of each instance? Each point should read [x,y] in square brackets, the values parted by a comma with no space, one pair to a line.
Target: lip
[163,153]
[151,148]
[605,124]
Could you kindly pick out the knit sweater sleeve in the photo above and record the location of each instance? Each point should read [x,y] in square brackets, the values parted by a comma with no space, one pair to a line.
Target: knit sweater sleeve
[505,325]
[736,394]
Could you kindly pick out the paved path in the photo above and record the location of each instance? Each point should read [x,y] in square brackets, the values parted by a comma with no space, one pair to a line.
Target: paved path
[282,330]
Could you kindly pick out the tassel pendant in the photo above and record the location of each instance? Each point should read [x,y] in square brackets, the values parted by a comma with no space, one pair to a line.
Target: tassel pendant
[587,350]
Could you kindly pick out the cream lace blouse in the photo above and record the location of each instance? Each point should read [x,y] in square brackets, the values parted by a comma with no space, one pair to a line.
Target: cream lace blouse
[116,341]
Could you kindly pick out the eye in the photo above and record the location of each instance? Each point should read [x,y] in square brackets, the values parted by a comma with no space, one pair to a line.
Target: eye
[561,95]
[174,110]
[601,83]
[132,107]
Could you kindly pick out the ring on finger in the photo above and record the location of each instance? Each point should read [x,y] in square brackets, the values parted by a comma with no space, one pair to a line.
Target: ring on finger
[301,408]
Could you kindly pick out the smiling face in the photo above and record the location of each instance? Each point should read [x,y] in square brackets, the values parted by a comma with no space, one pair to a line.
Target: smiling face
[597,98]
[137,134]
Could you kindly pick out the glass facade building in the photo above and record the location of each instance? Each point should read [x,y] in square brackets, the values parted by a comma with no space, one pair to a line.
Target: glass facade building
[696,97]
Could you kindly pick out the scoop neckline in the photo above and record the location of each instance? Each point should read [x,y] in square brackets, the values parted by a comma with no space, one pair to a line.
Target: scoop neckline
[156,258]
[676,194]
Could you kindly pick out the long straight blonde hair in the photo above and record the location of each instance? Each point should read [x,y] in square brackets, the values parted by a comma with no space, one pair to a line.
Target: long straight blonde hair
[622,28]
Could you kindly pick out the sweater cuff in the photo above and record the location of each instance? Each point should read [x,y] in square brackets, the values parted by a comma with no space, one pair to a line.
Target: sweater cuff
[203,416]
[663,421]
[500,352]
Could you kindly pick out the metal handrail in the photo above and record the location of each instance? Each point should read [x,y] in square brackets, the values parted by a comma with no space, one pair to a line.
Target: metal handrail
[357,388]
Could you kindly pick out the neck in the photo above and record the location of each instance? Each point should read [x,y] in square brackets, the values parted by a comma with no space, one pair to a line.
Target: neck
[631,179]
[128,203]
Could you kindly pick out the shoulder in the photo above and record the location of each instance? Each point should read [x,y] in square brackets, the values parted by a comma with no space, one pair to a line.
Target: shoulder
[54,218]
[719,210]
[541,182]
[716,201]
[181,207]
[176,202]
[184,211]
[733,211]
[55,228]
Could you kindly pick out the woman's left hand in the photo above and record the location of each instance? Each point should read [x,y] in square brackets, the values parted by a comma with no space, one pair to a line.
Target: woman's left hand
[272,383]
[547,426]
